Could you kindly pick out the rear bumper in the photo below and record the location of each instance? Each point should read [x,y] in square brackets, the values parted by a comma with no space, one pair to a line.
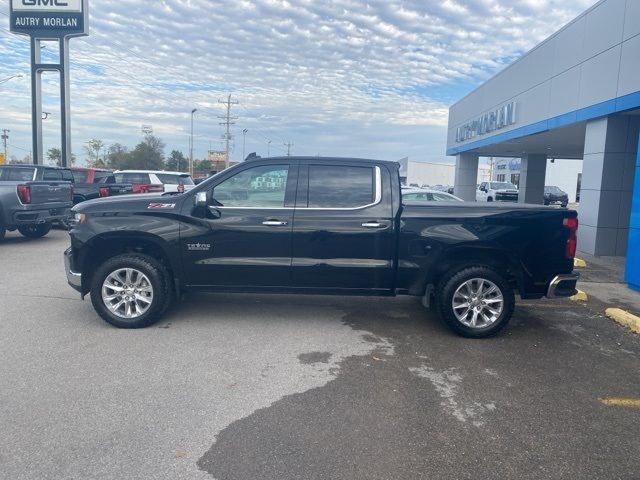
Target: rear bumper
[73,278]
[31,217]
[563,285]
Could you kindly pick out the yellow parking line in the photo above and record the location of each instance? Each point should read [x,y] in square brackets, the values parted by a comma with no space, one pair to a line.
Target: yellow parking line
[624,318]
[579,263]
[579,297]
[621,402]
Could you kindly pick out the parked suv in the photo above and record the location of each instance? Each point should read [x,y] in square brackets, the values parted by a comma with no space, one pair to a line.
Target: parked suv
[172,181]
[554,195]
[497,192]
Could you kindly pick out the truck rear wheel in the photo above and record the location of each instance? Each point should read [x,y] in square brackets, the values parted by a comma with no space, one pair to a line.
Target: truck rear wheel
[475,302]
[131,290]
[35,231]
[3,231]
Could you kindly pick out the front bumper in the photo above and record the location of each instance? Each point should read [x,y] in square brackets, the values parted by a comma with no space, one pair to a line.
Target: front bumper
[73,278]
[563,285]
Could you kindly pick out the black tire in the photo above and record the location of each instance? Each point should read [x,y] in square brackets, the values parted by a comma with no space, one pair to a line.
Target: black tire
[3,232]
[489,199]
[158,276]
[35,231]
[564,205]
[454,280]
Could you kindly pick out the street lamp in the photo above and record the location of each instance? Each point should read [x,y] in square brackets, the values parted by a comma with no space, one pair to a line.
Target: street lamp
[191,143]
[268,148]
[18,75]
[244,137]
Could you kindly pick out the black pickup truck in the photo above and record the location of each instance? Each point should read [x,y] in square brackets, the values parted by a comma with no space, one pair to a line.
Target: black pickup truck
[318,225]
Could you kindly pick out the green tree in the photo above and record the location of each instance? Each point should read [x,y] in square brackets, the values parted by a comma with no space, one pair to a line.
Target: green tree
[148,154]
[177,162]
[93,149]
[119,157]
[54,155]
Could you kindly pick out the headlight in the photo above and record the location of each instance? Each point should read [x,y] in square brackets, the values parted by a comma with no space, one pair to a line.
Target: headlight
[80,218]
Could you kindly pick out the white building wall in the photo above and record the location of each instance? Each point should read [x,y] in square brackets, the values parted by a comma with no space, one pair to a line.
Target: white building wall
[428,173]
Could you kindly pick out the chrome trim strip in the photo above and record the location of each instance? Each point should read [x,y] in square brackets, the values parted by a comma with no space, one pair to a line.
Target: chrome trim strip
[377,199]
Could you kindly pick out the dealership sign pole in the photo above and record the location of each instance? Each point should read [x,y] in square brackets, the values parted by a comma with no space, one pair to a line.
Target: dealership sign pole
[50,20]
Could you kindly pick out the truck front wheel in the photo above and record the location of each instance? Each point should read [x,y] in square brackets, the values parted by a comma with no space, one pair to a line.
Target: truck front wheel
[35,231]
[131,290]
[475,302]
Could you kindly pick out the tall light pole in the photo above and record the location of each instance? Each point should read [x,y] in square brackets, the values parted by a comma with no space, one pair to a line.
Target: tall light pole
[268,148]
[244,138]
[191,143]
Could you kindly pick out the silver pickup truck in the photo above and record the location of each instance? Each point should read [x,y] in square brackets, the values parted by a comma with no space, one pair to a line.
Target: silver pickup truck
[32,197]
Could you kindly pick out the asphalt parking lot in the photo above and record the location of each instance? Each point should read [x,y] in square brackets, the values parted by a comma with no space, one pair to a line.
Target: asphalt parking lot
[299,387]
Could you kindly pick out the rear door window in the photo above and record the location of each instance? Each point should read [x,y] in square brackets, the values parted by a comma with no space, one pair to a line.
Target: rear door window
[80,176]
[51,174]
[174,179]
[340,186]
[132,178]
[9,174]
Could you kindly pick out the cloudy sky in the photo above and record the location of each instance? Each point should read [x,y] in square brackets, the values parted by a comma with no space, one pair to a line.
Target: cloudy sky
[336,77]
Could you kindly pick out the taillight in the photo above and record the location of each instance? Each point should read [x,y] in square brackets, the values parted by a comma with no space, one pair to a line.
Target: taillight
[103,192]
[572,242]
[71,194]
[24,193]
[138,188]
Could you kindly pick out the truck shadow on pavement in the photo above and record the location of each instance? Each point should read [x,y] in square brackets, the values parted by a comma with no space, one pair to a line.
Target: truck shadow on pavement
[428,404]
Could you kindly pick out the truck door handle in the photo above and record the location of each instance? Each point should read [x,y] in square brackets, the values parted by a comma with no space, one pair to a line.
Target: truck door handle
[374,225]
[274,223]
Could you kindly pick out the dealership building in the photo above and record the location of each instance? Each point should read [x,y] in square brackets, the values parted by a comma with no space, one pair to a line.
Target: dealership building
[576,95]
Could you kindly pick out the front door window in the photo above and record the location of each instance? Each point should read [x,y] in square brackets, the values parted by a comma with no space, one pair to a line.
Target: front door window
[263,186]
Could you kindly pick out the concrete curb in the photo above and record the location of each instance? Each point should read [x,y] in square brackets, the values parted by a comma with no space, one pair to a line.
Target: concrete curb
[626,319]
[579,263]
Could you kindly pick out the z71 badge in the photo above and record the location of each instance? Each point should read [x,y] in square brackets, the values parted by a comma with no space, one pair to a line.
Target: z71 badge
[161,205]
[199,247]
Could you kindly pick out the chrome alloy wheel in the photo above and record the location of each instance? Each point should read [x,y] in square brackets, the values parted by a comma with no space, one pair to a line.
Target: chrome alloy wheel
[127,293]
[477,303]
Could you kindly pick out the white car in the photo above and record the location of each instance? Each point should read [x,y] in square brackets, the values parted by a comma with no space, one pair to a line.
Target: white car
[426,195]
[497,192]
[172,181]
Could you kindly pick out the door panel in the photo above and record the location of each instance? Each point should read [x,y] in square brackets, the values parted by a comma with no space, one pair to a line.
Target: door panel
[234,241]
[349,246]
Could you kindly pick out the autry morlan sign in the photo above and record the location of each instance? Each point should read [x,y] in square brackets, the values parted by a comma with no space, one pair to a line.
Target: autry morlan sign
[487,123]
[49,18]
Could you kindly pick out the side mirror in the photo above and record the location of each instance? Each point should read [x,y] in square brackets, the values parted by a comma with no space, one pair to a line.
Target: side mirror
[201,199]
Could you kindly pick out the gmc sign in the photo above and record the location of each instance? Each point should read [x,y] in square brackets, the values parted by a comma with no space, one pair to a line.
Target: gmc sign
[47,5]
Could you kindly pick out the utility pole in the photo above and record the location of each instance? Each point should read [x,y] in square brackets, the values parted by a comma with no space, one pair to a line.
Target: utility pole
[244,138]
[268,148]
[191,143]
[5,137]
[228,121]
[288,145]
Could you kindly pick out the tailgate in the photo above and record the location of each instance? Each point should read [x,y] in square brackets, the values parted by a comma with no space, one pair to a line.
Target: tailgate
[50,192]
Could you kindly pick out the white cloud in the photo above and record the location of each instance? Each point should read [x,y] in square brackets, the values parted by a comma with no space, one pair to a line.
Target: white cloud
[340,77]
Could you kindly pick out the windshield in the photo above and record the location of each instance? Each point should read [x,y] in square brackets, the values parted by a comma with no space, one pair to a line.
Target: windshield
[16,174]
[80,176]
[552,189]
[503,186]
